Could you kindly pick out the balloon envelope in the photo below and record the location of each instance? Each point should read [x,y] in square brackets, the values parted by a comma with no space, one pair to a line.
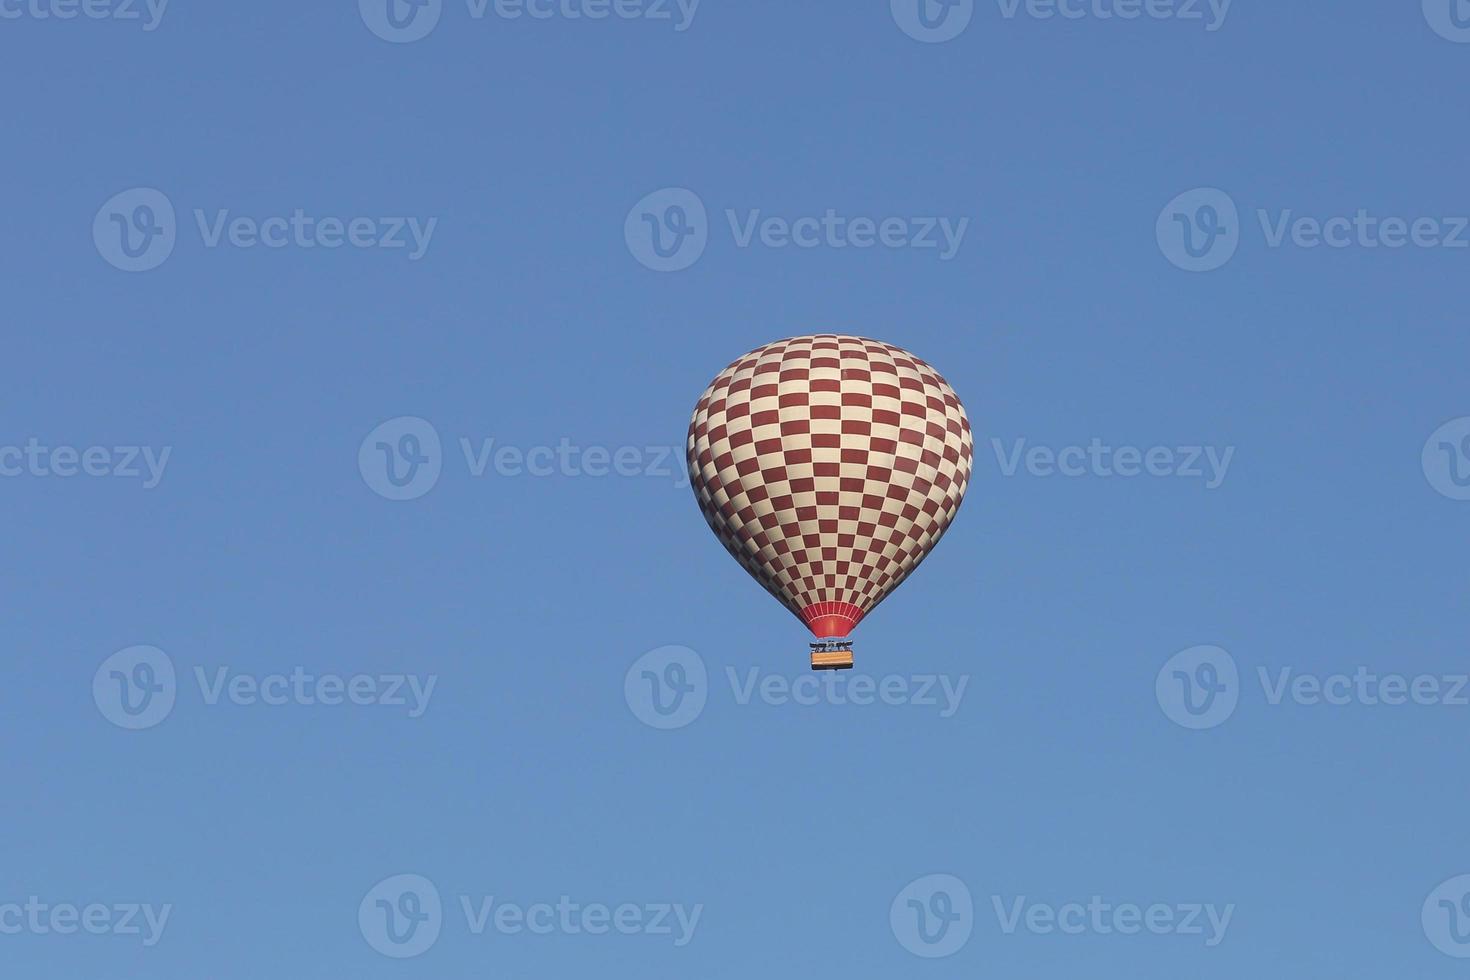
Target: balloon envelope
[829,466]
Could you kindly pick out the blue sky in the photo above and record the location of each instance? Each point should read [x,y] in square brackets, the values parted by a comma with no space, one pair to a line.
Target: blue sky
[1102,685]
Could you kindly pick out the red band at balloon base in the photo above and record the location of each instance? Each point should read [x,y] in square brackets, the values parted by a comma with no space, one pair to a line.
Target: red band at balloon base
[831,619]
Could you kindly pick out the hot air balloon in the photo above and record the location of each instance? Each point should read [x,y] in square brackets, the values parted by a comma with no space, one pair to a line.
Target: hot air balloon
[829,466]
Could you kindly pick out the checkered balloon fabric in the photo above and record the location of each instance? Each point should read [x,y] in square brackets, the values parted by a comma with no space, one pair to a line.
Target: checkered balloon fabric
[829,466]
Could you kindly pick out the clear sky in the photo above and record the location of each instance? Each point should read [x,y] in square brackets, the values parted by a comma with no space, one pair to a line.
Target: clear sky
[1125,273]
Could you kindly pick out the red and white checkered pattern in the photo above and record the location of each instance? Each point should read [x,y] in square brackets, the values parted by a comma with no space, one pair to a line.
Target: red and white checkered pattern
[829,466]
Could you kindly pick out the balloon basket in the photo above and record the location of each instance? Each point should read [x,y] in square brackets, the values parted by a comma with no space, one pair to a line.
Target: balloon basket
[832,655]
